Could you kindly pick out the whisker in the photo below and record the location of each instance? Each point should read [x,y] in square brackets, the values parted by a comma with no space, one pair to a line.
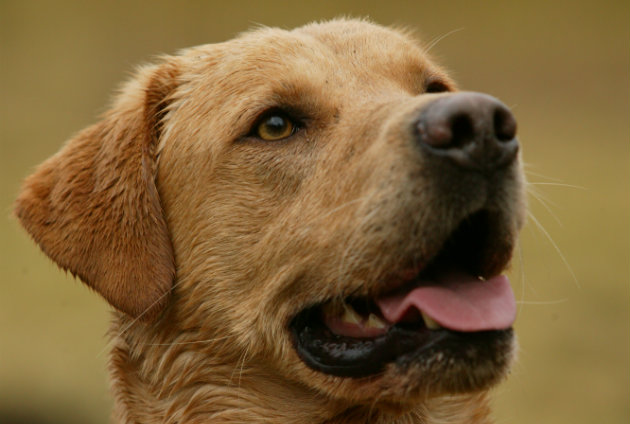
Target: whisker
[342,206]
[560,185]
[133,321]
[555,246]
[191,342]
[544,204]
[542,302]
[239,366]
[436,40]
[534,190]
[536,174]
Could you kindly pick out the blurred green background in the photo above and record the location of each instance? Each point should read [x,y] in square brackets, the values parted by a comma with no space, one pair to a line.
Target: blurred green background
[563,66]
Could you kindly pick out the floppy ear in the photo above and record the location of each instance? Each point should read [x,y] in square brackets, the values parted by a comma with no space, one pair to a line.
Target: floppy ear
[94,208]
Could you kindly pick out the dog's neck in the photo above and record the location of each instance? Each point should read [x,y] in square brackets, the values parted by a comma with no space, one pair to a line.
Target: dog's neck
[157,379]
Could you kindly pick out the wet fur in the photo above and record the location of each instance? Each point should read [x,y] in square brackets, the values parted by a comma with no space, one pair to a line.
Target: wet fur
[208,241]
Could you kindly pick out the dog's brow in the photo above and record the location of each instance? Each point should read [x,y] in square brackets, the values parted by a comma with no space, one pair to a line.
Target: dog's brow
[303,100]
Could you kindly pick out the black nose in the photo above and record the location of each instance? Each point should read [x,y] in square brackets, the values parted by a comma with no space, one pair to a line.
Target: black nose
[474,130]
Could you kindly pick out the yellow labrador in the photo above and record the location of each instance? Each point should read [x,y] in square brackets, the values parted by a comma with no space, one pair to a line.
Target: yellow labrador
[304,226]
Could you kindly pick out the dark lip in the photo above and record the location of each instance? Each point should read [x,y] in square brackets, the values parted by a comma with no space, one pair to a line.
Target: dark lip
[475,245]
[343,356]
[403,345]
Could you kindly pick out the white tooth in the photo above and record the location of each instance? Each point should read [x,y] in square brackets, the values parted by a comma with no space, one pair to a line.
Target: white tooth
[350,315]
[430,322]
[375,322]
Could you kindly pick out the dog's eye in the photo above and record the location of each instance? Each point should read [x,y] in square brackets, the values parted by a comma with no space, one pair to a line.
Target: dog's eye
[436,86]
[274,126]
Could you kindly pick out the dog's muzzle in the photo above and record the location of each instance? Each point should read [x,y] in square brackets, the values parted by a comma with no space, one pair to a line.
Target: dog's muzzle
[453,314]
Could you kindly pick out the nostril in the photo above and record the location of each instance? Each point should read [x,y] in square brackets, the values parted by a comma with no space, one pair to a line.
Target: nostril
[504,124]
[462,129]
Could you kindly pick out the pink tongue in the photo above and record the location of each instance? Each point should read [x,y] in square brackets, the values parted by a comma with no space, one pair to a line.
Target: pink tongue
[458,301]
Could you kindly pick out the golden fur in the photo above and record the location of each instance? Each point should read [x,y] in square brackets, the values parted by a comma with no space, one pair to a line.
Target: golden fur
[207,241]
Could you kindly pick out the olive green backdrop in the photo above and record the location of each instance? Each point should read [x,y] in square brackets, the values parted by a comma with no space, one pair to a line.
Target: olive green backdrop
[561,65]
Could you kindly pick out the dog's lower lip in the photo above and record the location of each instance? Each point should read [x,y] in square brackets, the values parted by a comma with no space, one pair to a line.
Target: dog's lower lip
[346,356]
[403,345]
[345,345]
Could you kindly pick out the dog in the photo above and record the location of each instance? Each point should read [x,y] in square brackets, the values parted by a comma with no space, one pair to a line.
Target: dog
[306,226]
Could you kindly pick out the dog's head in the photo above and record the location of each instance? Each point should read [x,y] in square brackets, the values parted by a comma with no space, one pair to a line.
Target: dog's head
[323,199]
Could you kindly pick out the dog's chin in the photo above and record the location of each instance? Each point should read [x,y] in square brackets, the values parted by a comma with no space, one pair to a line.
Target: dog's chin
[445,329]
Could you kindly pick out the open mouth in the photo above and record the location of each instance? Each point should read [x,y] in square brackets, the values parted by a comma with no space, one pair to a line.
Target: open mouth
[458,306]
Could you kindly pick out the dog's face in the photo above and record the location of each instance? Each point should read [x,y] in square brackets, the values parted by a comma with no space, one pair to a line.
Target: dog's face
[329,200]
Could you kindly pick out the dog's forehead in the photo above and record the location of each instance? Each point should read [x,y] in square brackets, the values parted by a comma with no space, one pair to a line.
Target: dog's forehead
[357,39]
[343,51]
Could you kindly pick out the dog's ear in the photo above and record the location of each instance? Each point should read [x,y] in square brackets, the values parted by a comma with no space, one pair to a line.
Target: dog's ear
[94,207]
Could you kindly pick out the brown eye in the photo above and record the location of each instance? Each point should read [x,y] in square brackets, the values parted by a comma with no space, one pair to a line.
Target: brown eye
[436,86]
[275,126]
